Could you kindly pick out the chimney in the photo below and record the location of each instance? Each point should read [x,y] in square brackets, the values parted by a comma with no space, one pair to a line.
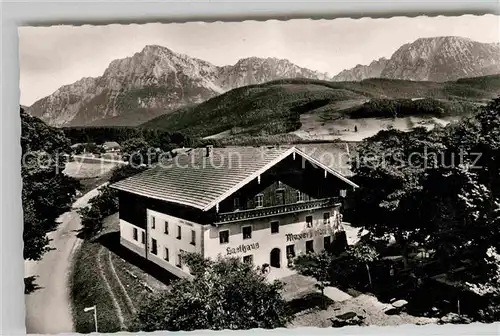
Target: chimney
[209,149]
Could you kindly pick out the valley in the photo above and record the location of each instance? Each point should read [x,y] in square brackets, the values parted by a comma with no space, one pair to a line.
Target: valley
[312,110]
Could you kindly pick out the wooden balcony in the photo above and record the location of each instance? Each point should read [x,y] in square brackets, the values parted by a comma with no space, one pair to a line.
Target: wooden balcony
[261,212]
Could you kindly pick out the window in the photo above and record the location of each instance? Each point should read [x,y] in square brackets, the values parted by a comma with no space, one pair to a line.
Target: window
[179,259]
[280,197]
[154,246]
[166,228]
[143,237]
[309,221]
[193,237]
[136,234]
[236,203]
[153,222]
[166,255]
[248,259]
[310,246]
[179,232]
[326,218]
[224,237]
[259,200]
[290,251]
[343,193]
[327,241]
[275,227]
[247,232]
[300,196]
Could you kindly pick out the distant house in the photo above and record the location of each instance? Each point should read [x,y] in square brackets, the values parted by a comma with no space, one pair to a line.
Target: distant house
[111,146]
[263,206]
[80,148]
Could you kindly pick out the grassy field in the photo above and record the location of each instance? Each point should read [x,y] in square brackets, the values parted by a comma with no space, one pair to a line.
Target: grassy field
[88,289]
[313,128]
[105,275]
[85,170]
[90,174]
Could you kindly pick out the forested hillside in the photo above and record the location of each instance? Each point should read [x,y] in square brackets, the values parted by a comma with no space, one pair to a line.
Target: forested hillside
[275,107]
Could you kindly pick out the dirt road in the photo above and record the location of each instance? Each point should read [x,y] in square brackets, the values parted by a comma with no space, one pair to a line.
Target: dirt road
[48,309]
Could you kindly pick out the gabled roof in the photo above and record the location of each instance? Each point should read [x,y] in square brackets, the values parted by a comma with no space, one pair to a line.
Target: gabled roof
[202,182]
[111,144]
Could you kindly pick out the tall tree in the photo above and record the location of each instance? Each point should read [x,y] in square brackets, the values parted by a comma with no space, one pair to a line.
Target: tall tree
[47,192]
[461,210]
[438,188]
[462,195]
[137,151]
[318,266]
[389,167]
[363,254]
[223,294]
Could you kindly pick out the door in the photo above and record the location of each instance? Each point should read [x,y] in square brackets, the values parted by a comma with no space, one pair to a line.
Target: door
[275,258]
[310,246]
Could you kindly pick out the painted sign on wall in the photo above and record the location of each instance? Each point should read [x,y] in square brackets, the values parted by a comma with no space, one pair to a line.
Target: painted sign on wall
[307,235]
[243,248]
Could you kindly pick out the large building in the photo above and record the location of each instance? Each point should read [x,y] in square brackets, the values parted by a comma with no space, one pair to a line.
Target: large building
[263,205]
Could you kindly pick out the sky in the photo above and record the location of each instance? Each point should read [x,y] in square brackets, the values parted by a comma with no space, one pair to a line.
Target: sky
[58,55]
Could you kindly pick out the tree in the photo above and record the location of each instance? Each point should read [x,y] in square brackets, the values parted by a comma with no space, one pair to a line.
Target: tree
[106,202]
[462,196]
[461,211]
[318,266]
[436,188]
[91,147]
[78,149]
[91,220]
[47,192]
[223,294]
[139,152]
[478,137]
[365,254]
[389,167]
[122,172]
[490,287]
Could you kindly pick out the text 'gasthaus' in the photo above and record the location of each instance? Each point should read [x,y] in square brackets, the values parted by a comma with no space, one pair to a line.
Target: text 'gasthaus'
[243,248]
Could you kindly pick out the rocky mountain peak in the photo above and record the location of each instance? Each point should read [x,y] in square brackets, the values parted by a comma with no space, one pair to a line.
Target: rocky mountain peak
[360,72]
[256,70]
[439,59]
[155,48]
[443,58]
[157,80]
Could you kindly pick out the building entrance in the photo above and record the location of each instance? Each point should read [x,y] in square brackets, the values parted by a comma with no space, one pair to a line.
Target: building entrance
[275,258]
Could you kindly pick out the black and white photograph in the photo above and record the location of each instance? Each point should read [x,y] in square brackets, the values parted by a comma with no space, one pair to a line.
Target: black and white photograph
[261,174]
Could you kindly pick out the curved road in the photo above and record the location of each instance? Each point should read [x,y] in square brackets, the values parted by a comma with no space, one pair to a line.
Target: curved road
[48,309]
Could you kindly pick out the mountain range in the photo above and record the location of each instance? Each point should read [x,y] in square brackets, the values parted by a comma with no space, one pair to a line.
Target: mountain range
[436,59]
[157,81]
[153,82]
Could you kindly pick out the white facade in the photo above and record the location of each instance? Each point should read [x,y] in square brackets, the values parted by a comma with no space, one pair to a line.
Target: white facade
[291,236]
[133,237]
[172,236]
[261,241]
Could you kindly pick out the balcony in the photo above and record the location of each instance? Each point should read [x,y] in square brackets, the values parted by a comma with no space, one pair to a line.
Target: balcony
[262,212]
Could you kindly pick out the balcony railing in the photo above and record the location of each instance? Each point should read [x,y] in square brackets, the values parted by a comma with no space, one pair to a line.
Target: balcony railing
[260,212]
